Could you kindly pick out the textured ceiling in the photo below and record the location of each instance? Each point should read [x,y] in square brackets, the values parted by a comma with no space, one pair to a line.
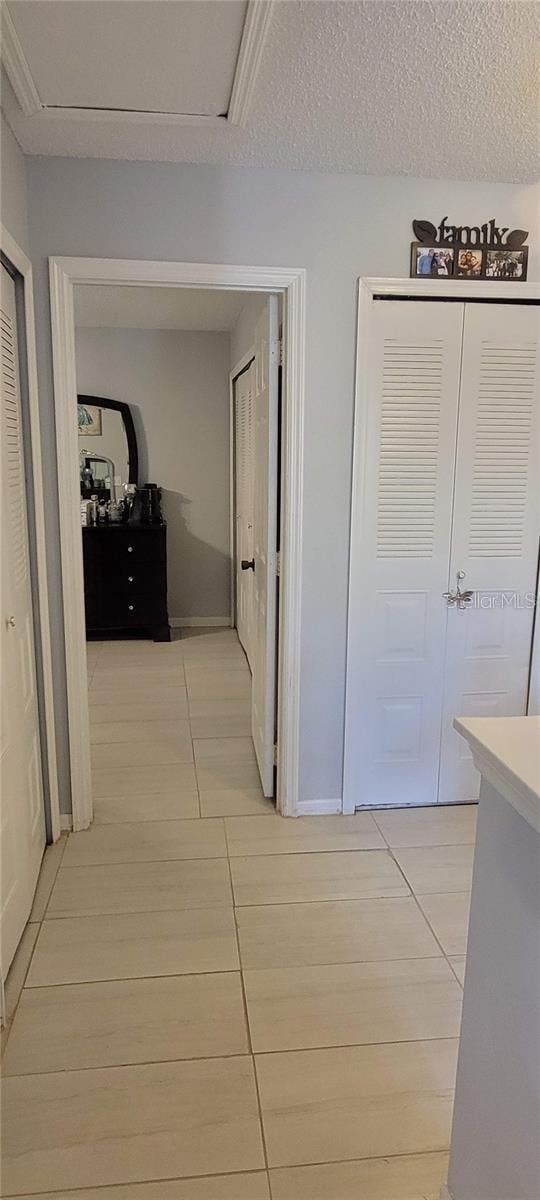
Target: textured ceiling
[444,89]
[114,307]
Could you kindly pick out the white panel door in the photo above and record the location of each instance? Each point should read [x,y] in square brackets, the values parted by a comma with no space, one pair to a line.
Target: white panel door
[244,390]
[495,530]
[399,553]
[265,463]
[22,825]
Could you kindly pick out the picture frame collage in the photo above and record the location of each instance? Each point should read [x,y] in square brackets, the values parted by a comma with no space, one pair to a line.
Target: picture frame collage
[468,262]
[480,252]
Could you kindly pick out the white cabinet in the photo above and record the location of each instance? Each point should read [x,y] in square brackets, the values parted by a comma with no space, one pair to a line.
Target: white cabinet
[446,499]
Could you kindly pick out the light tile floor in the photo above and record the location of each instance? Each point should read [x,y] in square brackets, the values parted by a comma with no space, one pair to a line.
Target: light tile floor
[219,1004]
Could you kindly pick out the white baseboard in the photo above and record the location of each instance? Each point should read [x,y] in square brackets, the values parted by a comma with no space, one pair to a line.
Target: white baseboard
[318,808]
[199,622]
[66,822]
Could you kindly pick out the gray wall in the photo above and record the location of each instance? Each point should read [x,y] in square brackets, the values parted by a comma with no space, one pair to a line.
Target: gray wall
[178,385]
[13,197]
[243,334]
[338,227]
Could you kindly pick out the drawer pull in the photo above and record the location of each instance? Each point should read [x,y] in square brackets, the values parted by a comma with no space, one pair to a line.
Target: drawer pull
[130,578]
[131,607]
[130,549]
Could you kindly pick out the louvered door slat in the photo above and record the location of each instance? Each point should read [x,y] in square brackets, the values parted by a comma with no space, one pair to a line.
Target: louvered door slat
[15,493]
[409,444]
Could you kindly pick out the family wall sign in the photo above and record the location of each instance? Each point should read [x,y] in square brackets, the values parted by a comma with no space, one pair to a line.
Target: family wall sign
[487,251]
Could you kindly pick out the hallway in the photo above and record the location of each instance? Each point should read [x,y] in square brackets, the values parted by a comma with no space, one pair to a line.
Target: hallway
[246,1007]
[171,729]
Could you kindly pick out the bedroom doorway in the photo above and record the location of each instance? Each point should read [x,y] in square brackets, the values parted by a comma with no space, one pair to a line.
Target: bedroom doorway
[273,723]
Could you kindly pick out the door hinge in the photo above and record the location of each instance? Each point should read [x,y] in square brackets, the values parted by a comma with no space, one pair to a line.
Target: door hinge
[280,352]
[275,754]
[278,562]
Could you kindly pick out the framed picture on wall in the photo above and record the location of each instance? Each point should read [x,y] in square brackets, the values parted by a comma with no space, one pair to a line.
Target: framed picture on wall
[90,420]
[432,261]
[486,251]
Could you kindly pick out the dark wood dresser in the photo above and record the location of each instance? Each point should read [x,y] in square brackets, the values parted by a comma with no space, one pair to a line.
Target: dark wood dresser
[125,579]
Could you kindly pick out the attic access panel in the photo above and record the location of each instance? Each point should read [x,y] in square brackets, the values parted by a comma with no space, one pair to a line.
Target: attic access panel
[150,56]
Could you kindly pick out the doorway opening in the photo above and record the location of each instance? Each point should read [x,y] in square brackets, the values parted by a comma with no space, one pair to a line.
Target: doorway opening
[200,706]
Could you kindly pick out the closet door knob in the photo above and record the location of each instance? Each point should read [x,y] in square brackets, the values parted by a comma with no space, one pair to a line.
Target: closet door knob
[459,598]
[248,564]
[11,622]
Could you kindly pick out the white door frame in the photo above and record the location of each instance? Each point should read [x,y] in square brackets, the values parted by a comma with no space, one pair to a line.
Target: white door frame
[36,509]
[240,366]
[369,288]
[290,282]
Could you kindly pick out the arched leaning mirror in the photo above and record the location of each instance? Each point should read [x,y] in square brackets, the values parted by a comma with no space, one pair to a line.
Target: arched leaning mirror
[108,457]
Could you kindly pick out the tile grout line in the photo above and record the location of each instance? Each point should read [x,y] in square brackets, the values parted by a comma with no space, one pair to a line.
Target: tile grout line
[190,1058]
[419,906]
[141,862]
[419,808]
[252,971]
[246,1018]
[413,846]
[9,1026]
[223,1175]
[127,912]
[428,922]
[287,854]
[452,968]
[40,987]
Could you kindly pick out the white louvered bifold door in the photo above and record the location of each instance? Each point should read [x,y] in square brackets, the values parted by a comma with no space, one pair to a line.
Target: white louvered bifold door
[404,468]
[22,827]
[243,458]
[495,529]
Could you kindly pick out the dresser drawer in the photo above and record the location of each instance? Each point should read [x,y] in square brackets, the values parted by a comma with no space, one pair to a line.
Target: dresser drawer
[124,611]
[135,583]
[134,550]
[126,578]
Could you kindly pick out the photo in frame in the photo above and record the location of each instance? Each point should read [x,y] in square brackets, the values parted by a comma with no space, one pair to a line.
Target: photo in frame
[432,262]
[90,420]
[470,263]
[507,264]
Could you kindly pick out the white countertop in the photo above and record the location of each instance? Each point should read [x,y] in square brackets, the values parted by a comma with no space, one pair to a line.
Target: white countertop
[506,750]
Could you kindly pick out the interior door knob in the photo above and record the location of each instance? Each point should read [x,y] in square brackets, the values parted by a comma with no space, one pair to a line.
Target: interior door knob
[10,622]
[248,564]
